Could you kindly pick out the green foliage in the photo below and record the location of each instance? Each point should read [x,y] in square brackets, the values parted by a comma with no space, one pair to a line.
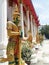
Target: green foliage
[45,30]
[26,52]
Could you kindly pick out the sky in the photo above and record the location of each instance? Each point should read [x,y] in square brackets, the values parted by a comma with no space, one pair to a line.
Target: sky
[42,10]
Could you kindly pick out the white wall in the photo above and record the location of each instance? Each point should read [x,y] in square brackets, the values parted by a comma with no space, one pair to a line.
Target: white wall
[3,21]
[3,26]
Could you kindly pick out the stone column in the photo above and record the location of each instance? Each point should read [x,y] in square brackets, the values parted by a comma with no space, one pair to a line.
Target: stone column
[22,23]
[37,28]
[34,31]
[28,20]
[3,26]
[32,27]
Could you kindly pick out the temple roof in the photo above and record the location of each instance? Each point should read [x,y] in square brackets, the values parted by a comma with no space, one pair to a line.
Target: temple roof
[31,8]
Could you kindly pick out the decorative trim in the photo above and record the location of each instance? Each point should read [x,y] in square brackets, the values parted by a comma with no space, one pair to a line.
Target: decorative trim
[10,2]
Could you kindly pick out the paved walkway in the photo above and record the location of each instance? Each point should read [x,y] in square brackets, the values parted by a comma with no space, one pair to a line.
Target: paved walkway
[42,55]
[40,63]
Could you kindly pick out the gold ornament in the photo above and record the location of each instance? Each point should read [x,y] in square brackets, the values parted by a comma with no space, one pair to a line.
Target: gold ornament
[16,13]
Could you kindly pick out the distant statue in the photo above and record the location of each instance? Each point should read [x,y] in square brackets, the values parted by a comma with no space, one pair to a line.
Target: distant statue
[29,39]
[37,38]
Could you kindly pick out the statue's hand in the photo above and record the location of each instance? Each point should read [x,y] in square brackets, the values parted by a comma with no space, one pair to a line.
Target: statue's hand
[3,60]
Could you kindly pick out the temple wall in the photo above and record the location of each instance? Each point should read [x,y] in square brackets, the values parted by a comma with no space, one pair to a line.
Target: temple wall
[3,28]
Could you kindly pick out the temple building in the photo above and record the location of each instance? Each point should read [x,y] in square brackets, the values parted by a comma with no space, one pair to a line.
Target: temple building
[28,18]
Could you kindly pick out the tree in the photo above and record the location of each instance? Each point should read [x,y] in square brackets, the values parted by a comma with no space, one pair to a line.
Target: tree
[45,30]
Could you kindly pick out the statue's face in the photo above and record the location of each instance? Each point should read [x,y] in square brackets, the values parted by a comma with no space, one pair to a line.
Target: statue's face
[16,16]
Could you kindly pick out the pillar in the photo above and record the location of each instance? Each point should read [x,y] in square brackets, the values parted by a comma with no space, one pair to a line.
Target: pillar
[32,27]
[3,25]
[22,23]
[28,20]
[34,31]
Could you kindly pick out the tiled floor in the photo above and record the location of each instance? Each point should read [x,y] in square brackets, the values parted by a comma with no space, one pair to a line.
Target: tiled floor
[40,63]
[42,55]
